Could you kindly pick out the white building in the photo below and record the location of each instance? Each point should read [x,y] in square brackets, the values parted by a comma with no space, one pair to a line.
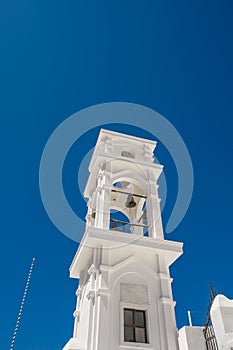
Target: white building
[219,335]
[124,298]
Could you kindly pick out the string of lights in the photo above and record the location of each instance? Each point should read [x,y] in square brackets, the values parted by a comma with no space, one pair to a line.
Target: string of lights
[22,304]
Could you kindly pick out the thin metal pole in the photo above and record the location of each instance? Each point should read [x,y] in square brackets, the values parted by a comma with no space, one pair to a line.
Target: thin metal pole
[22,305]
[128,223]
[133,194]
[190,319]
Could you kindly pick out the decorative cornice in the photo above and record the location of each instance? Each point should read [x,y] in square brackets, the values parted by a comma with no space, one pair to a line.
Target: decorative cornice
[165,300]
[94,237]
[102,292]
[164,276]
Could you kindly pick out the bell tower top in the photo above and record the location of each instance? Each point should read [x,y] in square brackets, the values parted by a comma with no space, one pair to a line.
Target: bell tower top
[121,145]
[123,178]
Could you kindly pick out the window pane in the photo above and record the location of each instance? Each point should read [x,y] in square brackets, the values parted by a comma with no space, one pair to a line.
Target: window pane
[139,318]
[129,334]
[128,317]
[140,336]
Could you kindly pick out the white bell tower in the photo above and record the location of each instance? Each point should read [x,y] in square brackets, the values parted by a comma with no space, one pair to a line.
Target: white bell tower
[124,299]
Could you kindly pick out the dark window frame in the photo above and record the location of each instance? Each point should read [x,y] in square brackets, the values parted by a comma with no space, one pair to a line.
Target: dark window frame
[134,326]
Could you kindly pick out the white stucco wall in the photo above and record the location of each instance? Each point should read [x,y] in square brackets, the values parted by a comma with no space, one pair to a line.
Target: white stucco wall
[222,319]
[191,338]
[73,344]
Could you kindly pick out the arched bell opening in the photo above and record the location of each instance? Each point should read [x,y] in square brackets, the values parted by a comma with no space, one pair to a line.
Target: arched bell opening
[119,221]
[128,201]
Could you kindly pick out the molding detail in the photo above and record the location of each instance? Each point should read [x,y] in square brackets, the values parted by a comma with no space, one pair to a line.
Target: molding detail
[102,292]
[78,292]
[76,314]
[105,268]
[91,295]
[92,269]
[164,276]
[166,300]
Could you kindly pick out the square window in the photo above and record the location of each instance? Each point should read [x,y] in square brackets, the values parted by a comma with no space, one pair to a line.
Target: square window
[135,326]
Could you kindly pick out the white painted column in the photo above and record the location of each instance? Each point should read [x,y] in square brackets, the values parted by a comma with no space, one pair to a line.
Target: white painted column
[103,199]
[167,303]
[101,305]
[153,209]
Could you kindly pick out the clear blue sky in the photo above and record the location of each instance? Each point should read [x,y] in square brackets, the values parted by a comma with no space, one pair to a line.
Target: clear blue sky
[58,57]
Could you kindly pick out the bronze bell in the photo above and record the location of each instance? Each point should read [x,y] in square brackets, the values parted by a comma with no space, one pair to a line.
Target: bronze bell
[114,225]
[130,202]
